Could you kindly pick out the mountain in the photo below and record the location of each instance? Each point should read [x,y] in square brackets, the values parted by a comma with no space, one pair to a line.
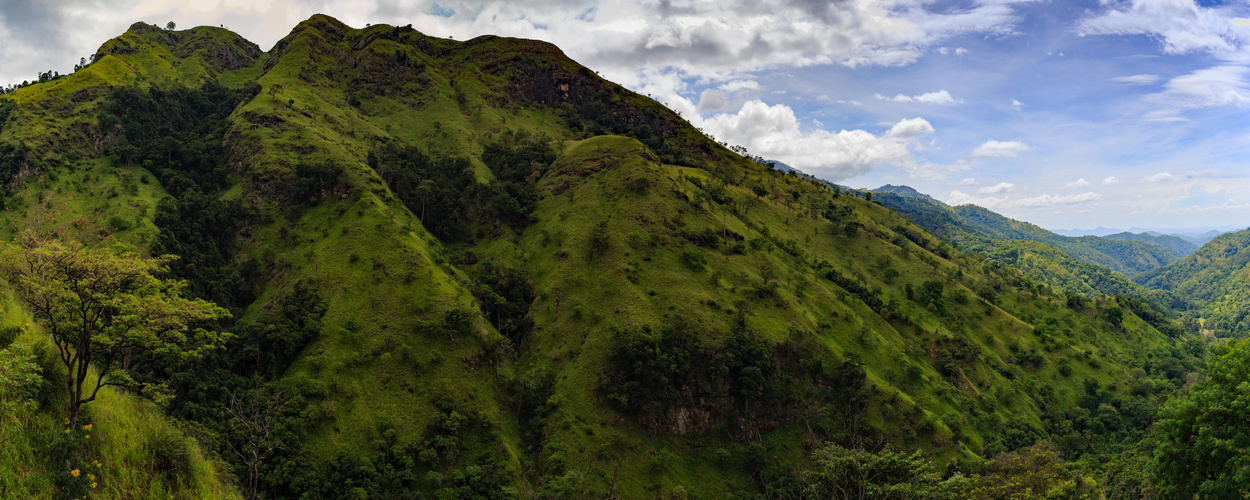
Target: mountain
[969,222]
[475,269]
[1200,238]
[1216,279]
[1098,231]
[1176,244]
[906,192]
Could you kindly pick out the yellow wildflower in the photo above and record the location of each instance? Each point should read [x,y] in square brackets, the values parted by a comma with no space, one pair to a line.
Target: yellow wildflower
[66,420]
[93,484]
[86,427]
[74,472]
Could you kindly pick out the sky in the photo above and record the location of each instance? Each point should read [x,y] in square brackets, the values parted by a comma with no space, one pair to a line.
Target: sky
[1066,114]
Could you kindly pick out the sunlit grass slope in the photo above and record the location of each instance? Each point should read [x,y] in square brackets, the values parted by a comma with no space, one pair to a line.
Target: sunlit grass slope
[641,221]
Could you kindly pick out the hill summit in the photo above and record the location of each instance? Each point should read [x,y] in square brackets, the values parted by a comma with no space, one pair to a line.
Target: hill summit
[476,269]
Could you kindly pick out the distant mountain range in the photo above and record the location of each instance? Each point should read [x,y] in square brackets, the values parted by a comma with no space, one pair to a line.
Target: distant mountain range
[1198,236]
[973,225]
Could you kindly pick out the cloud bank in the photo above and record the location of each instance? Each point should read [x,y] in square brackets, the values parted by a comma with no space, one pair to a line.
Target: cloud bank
[773,132]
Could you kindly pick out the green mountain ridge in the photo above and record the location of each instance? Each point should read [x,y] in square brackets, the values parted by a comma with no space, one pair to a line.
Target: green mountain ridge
[1090,265]
[477,270]
[1215,278]
[1174,243]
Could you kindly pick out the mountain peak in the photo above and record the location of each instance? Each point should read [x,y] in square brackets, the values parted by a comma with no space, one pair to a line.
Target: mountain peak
[906,192]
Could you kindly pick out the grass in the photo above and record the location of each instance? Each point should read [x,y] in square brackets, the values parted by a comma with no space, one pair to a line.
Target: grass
[384,356]
[129,436]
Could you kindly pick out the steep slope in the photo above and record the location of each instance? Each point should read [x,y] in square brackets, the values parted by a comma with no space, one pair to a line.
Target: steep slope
[1216,279]
[475,268]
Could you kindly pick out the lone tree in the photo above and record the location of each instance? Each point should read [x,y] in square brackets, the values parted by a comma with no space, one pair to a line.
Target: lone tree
[274,90]
[170,26]
[108,313]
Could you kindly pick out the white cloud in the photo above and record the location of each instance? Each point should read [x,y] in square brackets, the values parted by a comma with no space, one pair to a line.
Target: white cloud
[943,50]
[999,149]
[1137,79]
[1077,183]
[736,85]
[941,98]
[712,100]
[1160,177]
[1047,200]
[961,198]
[773,132]
[1002,187]
[1041,201]
[1016,105]
[910,127]
[1111,180]
[1218,86]
[961,51]
[716,41]
[1181,26]
[969,181]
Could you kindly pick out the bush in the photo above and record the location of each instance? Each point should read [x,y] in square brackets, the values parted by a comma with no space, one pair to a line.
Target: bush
[599,240]
[169,452]
[694,259]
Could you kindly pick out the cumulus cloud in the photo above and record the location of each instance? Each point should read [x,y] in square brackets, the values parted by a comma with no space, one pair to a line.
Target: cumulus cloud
[712,100]
[773,132]
[958,197]
[941,98]
[713,40]
[1046,200]
[910,127]
[1111,180]
[1160,177]
[1137,79]
[968,182]
[1016,105]
[1077,183]
[1000,149]
[1002,187]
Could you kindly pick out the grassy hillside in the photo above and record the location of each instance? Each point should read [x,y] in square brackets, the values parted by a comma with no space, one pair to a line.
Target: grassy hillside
[475,269]
[1083,264]
[1216,279]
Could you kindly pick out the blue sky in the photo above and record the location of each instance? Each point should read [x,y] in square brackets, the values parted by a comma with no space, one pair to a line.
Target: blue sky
[1064,114]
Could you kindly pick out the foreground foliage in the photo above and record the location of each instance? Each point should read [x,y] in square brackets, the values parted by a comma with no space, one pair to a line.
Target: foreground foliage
[1204,435]
[107,313]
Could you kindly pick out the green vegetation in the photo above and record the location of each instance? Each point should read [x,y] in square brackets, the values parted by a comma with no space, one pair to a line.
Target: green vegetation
[107,314]
[1173,243]
[971,226]
[476,270]
[1212,283]
[1203,434]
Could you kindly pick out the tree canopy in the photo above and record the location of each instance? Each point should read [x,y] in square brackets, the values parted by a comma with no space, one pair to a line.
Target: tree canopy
[1204,436]
[108,312]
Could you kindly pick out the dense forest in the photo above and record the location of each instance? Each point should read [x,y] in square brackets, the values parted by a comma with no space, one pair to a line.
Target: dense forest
[372,263]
